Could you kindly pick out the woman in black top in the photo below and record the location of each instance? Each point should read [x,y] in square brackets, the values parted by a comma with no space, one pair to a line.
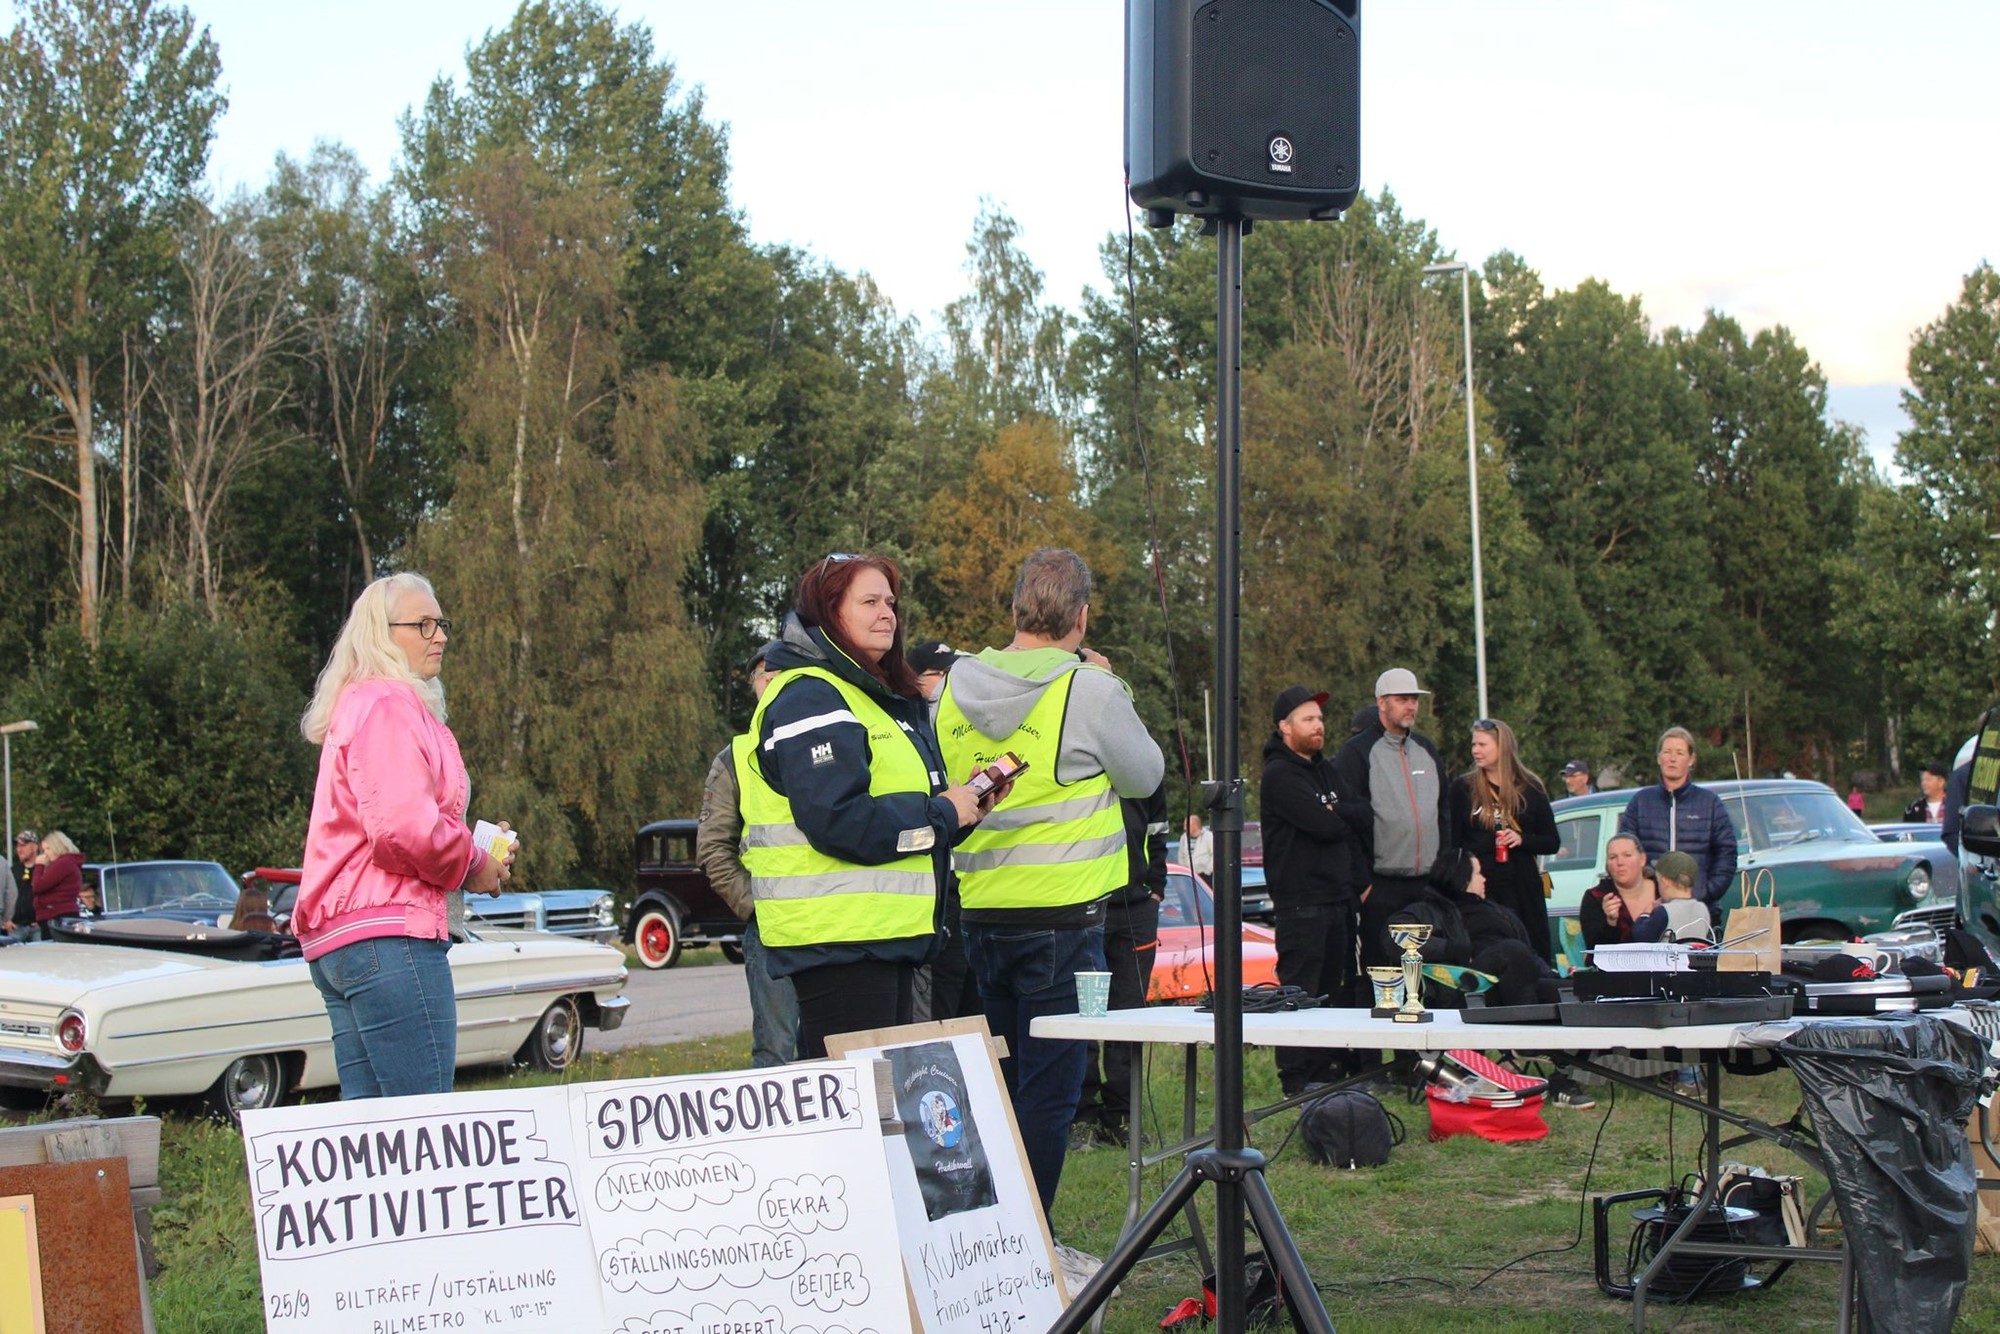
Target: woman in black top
[1500,814]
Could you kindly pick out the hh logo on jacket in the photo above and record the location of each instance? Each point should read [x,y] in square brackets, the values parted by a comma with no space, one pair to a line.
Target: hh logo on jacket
[822,753]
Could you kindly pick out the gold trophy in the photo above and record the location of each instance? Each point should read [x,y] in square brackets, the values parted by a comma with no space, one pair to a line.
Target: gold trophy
[1388,990]
[1410,938]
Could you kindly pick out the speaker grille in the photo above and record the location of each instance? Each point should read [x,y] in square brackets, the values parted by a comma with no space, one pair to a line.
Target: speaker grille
[1274,87]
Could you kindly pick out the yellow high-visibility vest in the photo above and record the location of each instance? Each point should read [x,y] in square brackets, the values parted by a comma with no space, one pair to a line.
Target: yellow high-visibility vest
[1048,845]
[804,896]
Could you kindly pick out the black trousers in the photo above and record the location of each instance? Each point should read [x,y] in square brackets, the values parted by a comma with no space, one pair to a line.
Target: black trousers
[950,989]
[848,998]
[1316,954]
[1131,942]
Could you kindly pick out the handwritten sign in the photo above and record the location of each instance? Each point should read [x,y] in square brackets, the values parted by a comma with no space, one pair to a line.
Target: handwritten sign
[976,1249]
[742,1203]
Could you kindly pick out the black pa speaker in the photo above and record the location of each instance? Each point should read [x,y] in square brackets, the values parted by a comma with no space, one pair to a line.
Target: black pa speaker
[1244,108]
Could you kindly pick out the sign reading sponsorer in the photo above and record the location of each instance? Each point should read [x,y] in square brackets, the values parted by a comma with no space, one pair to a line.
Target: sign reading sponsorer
[752,1201]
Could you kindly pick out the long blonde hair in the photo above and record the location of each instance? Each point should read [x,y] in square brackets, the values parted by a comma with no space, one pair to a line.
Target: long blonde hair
[1502,803]
[58,844]
[366,651]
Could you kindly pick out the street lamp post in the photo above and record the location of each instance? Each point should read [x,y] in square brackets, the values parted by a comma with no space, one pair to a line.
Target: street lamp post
[1464,272]
[7,735]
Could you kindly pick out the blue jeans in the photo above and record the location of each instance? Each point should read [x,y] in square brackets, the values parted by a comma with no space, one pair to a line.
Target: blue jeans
[395,1017]
[1025,972]
[774,1005]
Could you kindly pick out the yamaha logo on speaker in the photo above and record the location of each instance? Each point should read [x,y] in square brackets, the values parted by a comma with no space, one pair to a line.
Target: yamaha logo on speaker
[1280,149]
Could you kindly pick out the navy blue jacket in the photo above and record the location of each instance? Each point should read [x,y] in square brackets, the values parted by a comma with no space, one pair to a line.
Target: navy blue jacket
[1692,820]
[814,751]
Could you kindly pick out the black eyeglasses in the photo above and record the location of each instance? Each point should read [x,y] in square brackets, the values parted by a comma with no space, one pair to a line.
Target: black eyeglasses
[428,627]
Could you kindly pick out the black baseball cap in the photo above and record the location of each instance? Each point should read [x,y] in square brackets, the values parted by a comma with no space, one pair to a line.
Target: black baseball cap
[1290,698]
[1576,767]
[762,655]
[932,655]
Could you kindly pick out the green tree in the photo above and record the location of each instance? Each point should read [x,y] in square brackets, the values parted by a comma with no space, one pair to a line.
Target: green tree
[1922,583]
[574,517]
[1598,424]
[1782,491]
[174,736]
[106,111]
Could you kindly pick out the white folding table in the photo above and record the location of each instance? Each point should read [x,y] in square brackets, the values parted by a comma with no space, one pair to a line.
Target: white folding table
[1356,1029]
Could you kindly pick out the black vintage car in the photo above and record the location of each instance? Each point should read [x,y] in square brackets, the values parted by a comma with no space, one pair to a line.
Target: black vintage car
[674,906]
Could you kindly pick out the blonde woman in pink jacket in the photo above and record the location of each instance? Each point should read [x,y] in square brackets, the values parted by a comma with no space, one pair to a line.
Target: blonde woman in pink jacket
[387,842]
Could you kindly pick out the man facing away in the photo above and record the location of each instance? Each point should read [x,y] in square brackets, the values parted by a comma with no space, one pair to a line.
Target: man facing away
[718,846]
[1306,843]
[1676,815]
[1393,794]
[1034,878]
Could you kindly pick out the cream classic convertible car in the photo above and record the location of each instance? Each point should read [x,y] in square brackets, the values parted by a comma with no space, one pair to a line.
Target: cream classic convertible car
[149,1007]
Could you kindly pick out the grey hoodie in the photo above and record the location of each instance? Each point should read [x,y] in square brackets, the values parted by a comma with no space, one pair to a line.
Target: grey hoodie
[1101,731]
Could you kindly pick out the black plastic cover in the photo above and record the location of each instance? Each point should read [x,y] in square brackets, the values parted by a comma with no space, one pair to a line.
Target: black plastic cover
[1889,1098]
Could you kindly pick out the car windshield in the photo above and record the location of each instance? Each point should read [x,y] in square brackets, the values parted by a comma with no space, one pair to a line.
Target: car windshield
[1780,819]
[143,888]
[1186,903]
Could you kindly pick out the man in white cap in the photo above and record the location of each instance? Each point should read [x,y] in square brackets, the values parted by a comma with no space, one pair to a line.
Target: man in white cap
[1392,791]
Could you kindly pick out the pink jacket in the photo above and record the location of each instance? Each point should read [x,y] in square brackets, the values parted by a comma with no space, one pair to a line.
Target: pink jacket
[388,835]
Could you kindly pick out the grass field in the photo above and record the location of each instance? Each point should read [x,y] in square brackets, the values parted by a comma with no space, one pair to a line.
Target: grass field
[1416,1245]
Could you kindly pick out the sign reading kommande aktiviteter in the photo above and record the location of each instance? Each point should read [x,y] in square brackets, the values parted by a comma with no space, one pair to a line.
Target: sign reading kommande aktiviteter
[754,1202]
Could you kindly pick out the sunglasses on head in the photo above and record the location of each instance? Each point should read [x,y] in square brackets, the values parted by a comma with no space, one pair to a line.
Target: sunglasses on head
[833,557]
[1485,725]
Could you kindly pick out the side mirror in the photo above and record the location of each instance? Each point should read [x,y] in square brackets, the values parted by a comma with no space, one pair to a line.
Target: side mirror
[1979,830]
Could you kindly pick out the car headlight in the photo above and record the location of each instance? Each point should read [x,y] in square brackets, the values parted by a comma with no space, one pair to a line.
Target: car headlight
[1919,883]
[69,1032]
[604,917]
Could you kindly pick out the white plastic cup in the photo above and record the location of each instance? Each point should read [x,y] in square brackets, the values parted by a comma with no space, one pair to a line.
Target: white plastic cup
[1093,994]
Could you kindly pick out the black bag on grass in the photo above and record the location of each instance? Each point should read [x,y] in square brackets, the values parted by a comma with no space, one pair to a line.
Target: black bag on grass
[1348,1128]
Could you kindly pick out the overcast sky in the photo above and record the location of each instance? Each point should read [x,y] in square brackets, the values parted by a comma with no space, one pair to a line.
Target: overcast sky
[1822,165]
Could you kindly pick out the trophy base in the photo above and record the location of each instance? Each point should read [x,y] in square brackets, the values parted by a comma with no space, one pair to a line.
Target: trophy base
[1385,1012]
[1420,1017]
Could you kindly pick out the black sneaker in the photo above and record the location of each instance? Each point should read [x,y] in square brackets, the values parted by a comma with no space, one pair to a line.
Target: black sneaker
[1573,1098]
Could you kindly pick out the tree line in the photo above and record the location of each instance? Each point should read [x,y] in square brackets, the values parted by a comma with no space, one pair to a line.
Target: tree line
[545,363]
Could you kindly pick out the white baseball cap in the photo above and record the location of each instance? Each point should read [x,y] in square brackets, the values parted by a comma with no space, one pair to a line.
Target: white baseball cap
[1398,681]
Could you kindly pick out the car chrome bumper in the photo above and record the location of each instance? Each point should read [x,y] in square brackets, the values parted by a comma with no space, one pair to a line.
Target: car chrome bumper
[47,1072]
[611,1013]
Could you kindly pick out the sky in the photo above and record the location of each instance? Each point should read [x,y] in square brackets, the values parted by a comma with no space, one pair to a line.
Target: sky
[1821,165]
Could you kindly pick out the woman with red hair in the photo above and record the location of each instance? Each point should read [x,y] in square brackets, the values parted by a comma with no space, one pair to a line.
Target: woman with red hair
[848,816]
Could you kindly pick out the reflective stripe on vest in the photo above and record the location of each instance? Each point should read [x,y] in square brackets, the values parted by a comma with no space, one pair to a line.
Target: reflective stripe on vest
[1048,845]
[805,897]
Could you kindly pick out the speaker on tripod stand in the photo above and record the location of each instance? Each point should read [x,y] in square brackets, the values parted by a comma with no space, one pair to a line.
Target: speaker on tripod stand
[1234,110]
[1249,108]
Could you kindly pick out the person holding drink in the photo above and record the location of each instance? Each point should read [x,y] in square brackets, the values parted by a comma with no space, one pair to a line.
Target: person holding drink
[387,844]
[1500,814]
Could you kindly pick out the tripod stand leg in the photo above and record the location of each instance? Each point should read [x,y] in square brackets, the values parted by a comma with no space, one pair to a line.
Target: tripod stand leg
[1082,1305]
[1284,1256]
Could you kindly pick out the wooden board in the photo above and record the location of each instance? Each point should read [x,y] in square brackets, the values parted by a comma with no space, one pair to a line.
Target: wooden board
[83,1224]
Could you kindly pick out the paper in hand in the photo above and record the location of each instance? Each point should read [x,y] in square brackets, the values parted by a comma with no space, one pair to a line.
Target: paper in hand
[492,840]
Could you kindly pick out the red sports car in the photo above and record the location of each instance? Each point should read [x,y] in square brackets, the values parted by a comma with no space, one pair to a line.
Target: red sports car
[1185,969]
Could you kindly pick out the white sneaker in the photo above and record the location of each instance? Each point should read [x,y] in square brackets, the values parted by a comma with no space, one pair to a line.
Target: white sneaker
[1077,1268]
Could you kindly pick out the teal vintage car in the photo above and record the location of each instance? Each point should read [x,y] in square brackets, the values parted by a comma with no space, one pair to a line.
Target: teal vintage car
[1832,877]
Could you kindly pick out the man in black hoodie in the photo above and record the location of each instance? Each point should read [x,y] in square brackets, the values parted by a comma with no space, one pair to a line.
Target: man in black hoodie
[1306,846]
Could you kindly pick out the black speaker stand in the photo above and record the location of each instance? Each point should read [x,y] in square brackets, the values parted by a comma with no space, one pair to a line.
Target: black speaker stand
[1232,1167]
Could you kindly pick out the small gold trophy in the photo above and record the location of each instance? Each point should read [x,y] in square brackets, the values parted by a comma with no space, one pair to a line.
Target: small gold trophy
[1388,982]
[1410,938]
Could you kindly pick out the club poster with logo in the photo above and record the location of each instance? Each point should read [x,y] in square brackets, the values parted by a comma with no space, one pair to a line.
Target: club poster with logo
[976,1249]
[737,1201]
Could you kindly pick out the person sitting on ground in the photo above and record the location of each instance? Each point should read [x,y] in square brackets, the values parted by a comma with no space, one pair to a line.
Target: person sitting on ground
[1624,906]
[1687,916]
